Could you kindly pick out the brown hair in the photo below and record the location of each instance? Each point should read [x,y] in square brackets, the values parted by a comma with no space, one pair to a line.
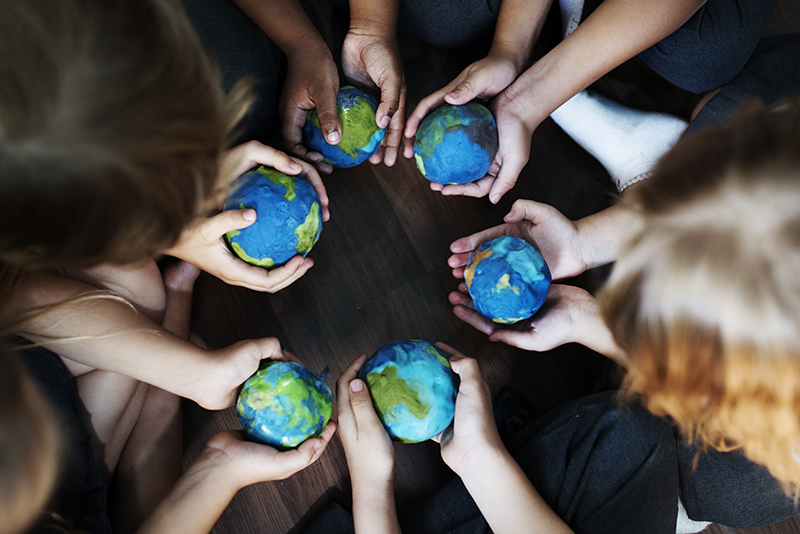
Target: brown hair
[28,447]
[705,297]
[112,123]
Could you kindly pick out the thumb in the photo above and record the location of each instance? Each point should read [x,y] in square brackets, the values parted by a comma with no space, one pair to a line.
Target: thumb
[230,220]
[507,177]
[328,116]
[463,93]
[390,101]
[361,402]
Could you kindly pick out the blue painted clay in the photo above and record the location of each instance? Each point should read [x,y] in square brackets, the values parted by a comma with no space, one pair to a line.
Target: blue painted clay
[288,222]
[507,279]
[361,136]
[456,144]
[284,404]
[413,389]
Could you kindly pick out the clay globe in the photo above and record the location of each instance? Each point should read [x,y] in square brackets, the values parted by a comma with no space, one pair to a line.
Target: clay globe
[507,279]
[413,389]
[288,217]
[361,136]
[283,404]
[456,144]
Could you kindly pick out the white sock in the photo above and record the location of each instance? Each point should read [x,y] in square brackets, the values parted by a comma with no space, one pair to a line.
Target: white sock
[571,11]
[626,141]
[686,525]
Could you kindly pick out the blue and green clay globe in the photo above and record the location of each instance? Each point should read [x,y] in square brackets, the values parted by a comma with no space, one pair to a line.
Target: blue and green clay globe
[413,389]
[456,144]
[507,279]
[284,404]
[361,135]
[288,220]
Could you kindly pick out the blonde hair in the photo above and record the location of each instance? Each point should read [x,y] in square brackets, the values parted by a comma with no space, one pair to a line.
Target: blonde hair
[705,297]
[28,448]
[112,124]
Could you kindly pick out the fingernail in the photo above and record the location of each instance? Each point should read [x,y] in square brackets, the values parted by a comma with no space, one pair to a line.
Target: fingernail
[317,445]
[454,95]
[295,165]
[494,199]
[333,136]
[249,215]
[356,385]
[384,122]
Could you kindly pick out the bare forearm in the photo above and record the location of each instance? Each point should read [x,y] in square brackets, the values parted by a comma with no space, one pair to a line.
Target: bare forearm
[374,508]
[602,234]
[285,22]
[617,31]
[380,17]
[103,333]
[506,498]
[519,24]
[194,504]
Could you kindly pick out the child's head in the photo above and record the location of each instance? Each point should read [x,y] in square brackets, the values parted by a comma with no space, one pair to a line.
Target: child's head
[705,297]
[27,447]
[112,122]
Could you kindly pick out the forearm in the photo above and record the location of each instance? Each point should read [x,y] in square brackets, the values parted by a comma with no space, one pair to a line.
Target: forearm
[507,499]
[602,234]
[374,507]
[375,17]
[617,31]
[519,24]
[195,502]
[592,332]
[103,333]
[285,22]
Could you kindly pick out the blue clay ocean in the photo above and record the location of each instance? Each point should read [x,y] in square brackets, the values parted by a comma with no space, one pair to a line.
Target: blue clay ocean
[456,144]
[288,217]
[413,389]
[284,404]
[361,135]
[507,279]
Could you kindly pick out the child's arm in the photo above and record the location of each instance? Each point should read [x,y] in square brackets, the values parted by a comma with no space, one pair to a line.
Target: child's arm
[109,334]
[519,24]
[312,79]
[370,455]
[371,57]
[473,449]
[226,465]
[202,243]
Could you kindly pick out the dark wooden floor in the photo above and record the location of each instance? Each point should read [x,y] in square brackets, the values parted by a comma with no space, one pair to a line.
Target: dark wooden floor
[380,274]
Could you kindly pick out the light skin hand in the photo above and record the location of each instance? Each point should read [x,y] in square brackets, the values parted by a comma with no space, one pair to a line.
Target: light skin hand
[372,59]
[202,243]
[481,80]
[369,452]
[473,433]
[312,81]
[557,238]
[227,464]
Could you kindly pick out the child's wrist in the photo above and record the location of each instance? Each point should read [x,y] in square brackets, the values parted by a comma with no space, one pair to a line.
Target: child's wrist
[480,464]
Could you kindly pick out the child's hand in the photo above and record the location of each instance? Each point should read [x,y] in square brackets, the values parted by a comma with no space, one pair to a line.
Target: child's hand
[473,434]
[369,451]
[243,462]
[202,243]
[218,384]
[244,157]
[482,79]
[312,81]
[557,322]
[556,237]
[371,57]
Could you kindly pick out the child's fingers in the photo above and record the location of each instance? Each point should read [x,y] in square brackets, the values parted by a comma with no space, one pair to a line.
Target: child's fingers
[470,243]
[450,351]
[457,298]
[361,404]
[529,210]
[460,259]
[348,375]
[474,319]
[476,189]
[306,454]
[227,221]
[311,174]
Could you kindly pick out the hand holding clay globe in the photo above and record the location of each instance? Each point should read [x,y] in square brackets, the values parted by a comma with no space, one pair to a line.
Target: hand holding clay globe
[507,279]
[413,389]
[283,404]
[456,144]
[361,135]
[288,217]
